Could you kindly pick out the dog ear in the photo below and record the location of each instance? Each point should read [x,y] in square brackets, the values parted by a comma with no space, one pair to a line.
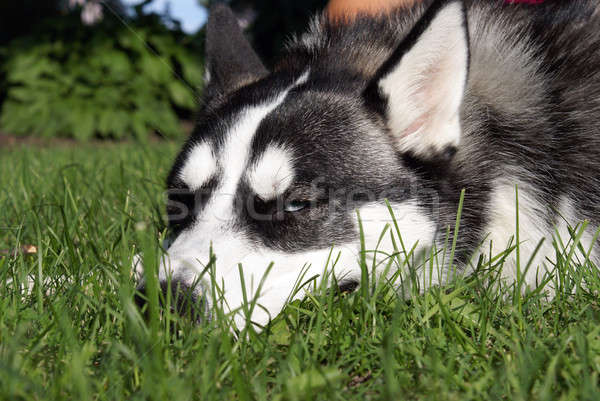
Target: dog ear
[230,60]
[420,88]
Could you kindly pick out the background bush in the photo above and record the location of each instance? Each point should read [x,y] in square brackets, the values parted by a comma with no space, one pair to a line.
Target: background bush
[131,75]
[109,81]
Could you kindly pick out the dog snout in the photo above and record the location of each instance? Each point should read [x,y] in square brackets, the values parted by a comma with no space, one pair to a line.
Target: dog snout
[187,300]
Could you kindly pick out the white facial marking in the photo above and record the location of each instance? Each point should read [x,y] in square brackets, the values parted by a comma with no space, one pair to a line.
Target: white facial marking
[199,167]
[292,269]
[215,226]
[341,260]
[272,174]
[235,157]
[425,90]
[189,252]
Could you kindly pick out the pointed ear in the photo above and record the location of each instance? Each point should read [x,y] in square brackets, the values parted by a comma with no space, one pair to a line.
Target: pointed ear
[420,88]
[230,60]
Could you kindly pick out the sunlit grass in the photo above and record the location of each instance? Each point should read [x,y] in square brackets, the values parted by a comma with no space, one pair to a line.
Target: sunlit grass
[76,333]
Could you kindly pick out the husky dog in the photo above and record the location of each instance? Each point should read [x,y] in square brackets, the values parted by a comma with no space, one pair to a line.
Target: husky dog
[355,148]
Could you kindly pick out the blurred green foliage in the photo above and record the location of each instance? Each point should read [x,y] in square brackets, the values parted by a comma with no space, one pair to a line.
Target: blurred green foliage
[118,79]
[126,77]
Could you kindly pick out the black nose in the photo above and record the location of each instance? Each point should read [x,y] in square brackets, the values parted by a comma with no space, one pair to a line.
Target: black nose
[181,298]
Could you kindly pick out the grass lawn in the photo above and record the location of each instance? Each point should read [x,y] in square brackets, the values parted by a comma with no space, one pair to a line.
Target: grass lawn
[77,334]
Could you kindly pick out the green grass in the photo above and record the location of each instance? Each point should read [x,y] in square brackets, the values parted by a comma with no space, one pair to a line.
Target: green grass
[77,334]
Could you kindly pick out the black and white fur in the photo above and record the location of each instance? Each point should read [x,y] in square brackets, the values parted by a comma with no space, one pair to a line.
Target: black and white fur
[411,108]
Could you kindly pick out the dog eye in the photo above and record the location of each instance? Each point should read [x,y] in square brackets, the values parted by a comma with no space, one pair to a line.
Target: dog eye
[295,206]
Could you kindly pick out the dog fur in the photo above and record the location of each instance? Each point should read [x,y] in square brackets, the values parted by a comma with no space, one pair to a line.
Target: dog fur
[395,112]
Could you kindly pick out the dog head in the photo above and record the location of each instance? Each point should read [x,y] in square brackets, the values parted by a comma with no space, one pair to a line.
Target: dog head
[305,168]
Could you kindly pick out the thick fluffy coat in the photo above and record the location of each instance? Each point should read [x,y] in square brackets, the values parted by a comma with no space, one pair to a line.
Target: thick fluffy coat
[399,112]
